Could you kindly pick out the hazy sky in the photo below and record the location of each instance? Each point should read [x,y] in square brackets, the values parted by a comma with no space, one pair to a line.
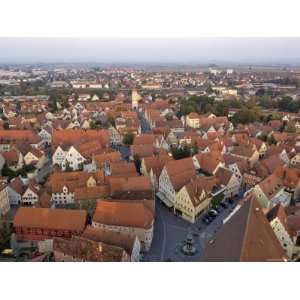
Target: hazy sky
[151,50]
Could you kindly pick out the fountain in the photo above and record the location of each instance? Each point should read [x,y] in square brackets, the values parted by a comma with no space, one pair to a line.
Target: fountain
[188,248]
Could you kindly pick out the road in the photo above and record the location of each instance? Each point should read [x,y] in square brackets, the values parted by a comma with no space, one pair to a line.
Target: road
[125,151]
[44,171]
[170,233]
[144,124]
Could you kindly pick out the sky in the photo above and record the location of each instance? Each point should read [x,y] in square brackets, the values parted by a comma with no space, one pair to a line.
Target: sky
[151,50]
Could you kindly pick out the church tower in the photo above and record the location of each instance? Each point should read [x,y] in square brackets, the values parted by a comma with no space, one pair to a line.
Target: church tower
[135,98]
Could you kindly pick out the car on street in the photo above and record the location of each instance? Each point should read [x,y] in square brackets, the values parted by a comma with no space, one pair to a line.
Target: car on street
[214,210]
[212,215]
[224,205]
[206,220]
[218,209]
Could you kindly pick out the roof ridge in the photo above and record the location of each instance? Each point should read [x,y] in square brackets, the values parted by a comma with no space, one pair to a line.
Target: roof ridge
[246,227]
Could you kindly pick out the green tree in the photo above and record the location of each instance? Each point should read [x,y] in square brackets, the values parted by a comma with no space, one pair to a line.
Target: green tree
[180,152]
[5,233]
[271,140]
[6,125]
[18,107]
[137,163]
[128,139]
[195,148]
[68,167]
[111,121]
[216,200]
[266,102]
[284,103]
[247,115]
[221,109]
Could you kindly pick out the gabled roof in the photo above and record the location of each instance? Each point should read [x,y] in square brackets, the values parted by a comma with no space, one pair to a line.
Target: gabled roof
[144,139]
[129,184]
[72,136]
[278,211]
[209,161]
[100,159]
[60,219]
[90,193]
[243,151]
[11,157]
[156,163]
[180,171]
[110,237]
[198,185]
[224,175]
[123,169]
[17,185]
[142,150]
[88,250]
[134,214]
[7,136]
[271,186]
[246,236]
[72,180]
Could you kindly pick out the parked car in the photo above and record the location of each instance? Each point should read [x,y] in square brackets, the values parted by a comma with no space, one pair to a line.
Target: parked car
[224,205]
[212,214]
[206,220]
[218,209]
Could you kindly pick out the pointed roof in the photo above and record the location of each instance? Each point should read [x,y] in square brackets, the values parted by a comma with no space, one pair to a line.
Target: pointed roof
[246,236]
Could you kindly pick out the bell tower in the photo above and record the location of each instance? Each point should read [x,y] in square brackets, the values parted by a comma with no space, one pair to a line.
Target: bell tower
[135,98]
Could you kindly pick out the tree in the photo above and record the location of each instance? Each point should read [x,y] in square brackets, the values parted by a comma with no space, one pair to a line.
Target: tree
[128,139]
[271,140]
[180,152]
[221,109]
[111,121]
[195,148]
[93,125]
[266,102]
[246,116]
[284,103]
[18,107]
[137,163]
[7,172]
[5,233]
[68,167]
[6,125]
[216,200]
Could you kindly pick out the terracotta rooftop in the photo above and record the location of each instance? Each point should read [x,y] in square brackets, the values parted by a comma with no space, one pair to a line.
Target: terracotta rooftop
[208,162]
[144,139]
[198,185]
[129,184]
[59,219]
[224,175]
[110,237]
[123,169]
[134,214]
[84,249]
[6,136]
[271,186]
[246,236]
[90,193]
